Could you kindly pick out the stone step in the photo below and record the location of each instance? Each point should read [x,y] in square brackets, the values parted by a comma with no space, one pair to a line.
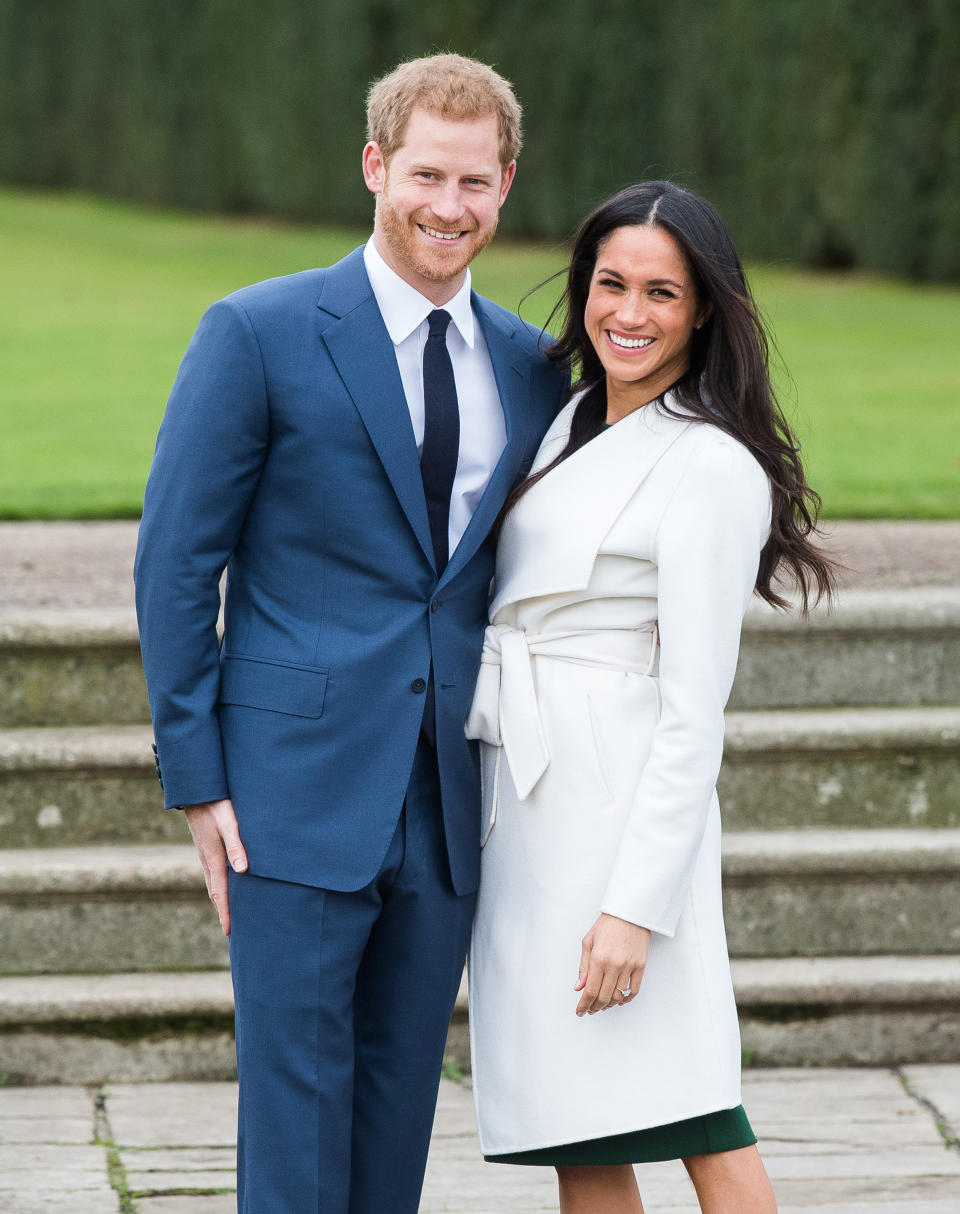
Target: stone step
[106,909]
[852,768]
[877,1011]
[819,893]
[60,787]
[82,666]
[786,893]
[865,1011]
[841,767]
[76,666]
[895,647]
[93,1027]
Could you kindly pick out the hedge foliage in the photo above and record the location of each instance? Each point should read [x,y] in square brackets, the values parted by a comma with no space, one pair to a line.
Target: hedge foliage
[827,131]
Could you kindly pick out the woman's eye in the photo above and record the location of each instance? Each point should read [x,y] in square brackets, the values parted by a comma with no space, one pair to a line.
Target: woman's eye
[609,282]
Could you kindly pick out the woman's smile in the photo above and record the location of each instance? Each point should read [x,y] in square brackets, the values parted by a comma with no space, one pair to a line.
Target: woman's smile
[623,341]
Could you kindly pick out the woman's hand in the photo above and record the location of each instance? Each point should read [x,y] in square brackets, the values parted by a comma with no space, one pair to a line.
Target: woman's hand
[612,960]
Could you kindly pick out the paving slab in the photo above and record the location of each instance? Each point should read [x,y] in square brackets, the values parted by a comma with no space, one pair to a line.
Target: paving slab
[947,1206]
[172,1114]
[179,1159]
[24,1165]
[835,1141]
[76,1131]
[159,1183]
[59,1201]
[940,1086]
[841,1196]
[44,1102]
[223,1203]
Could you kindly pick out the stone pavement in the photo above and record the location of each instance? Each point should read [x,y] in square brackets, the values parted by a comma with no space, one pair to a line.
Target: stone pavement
[834,1141]
[90,565]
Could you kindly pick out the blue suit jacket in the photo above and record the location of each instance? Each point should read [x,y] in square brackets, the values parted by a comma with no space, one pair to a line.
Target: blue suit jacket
[287,455]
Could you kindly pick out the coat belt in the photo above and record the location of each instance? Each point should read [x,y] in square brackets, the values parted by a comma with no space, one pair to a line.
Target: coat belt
[505,711]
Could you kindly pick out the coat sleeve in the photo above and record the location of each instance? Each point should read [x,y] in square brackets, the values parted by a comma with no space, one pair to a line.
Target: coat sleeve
[209,455]
[707,551]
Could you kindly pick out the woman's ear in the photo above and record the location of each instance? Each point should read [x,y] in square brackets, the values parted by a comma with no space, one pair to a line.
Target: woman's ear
[703,315]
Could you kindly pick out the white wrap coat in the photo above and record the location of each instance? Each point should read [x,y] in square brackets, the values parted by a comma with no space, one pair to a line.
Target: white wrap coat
[600,752]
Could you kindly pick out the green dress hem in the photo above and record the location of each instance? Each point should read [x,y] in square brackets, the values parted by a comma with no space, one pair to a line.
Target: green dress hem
[726,1130]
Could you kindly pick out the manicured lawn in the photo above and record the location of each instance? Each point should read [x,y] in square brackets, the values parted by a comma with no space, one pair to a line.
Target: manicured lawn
[100,299]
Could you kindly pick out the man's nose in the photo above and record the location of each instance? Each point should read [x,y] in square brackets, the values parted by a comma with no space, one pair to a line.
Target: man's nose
[448,204]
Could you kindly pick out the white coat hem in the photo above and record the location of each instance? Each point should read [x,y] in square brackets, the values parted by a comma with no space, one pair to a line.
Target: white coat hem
[631,1128]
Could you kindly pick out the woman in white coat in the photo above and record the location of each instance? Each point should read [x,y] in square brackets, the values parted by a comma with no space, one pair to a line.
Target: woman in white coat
[667,491]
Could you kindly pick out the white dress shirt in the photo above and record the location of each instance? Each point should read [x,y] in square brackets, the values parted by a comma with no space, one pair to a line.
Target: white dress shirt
[483,433]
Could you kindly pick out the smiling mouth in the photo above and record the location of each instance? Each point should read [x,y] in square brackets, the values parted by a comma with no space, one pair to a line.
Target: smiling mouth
[439,234]
[629,343]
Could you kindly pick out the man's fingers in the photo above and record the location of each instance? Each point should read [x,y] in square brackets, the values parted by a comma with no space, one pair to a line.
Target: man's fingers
[236,855]
[215,875]
[217,838]
[226,823]
[219,898]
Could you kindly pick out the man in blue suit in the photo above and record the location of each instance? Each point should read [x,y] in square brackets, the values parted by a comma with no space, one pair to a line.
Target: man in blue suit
[341,441]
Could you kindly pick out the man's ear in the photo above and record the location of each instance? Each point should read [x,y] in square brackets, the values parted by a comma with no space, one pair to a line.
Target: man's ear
[506,181]
[374,168]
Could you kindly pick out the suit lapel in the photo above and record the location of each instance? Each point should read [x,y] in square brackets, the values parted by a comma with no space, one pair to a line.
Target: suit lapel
[357,340]
[550,540]
[512,374]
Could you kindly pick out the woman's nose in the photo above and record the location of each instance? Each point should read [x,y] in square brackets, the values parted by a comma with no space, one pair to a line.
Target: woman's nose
[632,309]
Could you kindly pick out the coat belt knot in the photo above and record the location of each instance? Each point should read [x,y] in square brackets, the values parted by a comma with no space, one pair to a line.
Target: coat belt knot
[505,710]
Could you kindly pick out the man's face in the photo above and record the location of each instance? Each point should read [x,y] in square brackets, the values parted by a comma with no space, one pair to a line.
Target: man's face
[438,199]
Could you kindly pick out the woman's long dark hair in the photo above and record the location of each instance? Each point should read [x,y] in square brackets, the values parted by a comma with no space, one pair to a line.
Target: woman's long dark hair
[727,383]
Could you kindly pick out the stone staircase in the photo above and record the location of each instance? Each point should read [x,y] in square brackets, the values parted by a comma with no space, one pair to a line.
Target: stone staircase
[841,800]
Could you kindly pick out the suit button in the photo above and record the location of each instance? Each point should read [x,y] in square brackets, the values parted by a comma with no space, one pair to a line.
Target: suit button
[419,686]
[436,604]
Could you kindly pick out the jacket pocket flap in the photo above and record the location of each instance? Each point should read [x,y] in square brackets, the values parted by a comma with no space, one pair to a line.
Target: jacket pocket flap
[278,688]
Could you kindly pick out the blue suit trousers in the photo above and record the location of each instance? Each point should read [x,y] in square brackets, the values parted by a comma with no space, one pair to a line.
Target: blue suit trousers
[342,1007]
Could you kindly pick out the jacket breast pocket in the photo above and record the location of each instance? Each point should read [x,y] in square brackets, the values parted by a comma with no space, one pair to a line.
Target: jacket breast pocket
[275,686]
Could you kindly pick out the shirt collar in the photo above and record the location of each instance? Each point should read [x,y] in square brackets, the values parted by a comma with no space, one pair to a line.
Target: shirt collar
[404,309]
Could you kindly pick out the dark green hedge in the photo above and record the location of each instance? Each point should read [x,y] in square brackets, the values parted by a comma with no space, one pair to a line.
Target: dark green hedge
[827,133]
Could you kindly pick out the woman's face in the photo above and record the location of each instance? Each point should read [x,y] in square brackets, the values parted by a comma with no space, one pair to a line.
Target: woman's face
[641,312]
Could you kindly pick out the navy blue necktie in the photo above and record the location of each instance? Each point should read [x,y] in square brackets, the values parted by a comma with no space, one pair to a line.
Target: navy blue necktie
[441,434]
[438,461]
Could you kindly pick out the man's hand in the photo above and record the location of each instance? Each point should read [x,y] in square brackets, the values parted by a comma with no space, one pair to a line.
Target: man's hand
[612,960]
[217,837]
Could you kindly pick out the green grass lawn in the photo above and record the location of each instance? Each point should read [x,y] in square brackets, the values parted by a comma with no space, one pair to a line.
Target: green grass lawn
[99,300]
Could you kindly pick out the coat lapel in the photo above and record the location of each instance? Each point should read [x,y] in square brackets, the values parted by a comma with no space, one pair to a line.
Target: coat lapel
[512,373]
[357,340]
[550,540]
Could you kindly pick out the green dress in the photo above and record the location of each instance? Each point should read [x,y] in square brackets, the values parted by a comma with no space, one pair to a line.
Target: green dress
[726,1130]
